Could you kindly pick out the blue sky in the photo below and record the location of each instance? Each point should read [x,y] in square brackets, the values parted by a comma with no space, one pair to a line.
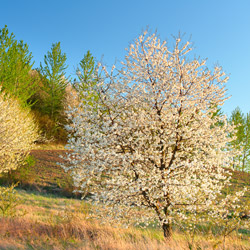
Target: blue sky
[220,30]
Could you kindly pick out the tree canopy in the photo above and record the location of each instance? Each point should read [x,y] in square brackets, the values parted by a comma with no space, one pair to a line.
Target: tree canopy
[151,139]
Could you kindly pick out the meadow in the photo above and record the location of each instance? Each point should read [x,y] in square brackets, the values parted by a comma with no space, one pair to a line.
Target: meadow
[48,215]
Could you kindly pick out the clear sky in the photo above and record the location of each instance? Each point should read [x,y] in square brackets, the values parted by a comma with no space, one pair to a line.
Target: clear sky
[220,30]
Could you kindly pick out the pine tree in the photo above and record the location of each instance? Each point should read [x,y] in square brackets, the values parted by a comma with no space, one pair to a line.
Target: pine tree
[87,78]
[242,138]
[15,67]
[56,82]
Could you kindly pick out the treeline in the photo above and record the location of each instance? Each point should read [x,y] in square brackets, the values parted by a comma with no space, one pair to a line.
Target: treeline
[45,90]
[241,140]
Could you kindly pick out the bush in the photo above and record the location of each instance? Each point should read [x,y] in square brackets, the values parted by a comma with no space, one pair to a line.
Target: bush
[18,132]
[8,201]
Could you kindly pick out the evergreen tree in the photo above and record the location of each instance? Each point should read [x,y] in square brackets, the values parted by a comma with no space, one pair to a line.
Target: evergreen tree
[55,81]
[246,144]
[87,78]
[15,67]
[242,138]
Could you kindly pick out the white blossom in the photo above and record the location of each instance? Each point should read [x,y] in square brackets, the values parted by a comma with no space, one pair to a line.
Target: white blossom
[151,140]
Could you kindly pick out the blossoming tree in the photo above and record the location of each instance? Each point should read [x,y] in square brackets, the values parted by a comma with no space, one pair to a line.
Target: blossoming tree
[17,133]
[150,147]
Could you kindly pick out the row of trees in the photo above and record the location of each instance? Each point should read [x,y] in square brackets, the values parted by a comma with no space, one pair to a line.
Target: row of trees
[32,101]
[44,89]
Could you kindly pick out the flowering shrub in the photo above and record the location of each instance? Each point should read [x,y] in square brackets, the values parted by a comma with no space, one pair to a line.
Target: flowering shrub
[151,139]
[17,133]
[8,201]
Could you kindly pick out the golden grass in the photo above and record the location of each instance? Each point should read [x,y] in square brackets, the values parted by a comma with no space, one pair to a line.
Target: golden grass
[50,222]
[20,233]
[47,221]
[79,235]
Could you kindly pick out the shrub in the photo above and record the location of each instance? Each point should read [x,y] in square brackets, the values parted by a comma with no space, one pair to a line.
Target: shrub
[8,201]
[18,132]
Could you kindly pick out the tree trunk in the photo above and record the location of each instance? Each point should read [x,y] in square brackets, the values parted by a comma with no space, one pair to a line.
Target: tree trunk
[167,230]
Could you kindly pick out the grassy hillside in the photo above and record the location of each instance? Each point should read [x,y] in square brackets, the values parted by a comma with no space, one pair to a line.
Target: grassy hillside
[50,222]
[44,175]
[50,217]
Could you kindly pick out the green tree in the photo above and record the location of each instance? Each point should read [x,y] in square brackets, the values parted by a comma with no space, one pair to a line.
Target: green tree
[242,138]
[87,78]
[55,81]
[15,67]
[246,151]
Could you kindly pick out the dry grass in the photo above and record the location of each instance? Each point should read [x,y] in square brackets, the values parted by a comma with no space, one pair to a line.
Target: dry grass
[70,235]
[47,221]
[45,176]
[51,222]
[27,234]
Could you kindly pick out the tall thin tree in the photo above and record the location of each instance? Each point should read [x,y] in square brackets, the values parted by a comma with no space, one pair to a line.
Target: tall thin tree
[56,82]
[87,78]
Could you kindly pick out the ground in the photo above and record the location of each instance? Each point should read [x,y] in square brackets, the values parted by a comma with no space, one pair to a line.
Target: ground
[43,174]
[52,217]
